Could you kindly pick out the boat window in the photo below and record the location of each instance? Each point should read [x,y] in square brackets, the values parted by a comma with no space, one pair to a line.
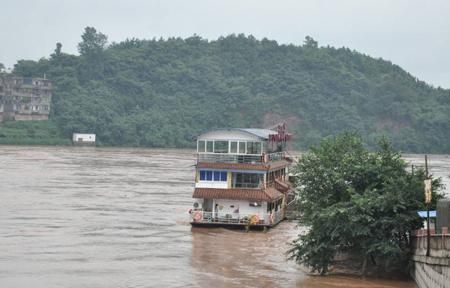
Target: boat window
[233,147]
[201,147]
[242,147]
[247,180]
[206,175]
[209,146]
[220,146]
[253,147]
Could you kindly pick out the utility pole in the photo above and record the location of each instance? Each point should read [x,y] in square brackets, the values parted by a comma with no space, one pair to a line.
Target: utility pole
[427,202]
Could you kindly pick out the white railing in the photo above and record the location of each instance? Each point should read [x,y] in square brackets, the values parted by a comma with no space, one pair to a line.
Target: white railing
[239,158]
[228,158]
[203,217]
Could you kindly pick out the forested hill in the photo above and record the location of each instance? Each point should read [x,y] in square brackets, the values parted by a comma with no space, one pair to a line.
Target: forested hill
[161,93]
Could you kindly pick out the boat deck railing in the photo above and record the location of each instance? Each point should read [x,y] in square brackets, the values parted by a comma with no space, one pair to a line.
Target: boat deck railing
[239,158]
[258,219]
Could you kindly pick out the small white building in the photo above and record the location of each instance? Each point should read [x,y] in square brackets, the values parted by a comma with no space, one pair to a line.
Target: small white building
[84,139]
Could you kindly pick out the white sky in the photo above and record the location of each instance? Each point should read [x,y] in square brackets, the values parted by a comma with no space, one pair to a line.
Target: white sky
[411,33]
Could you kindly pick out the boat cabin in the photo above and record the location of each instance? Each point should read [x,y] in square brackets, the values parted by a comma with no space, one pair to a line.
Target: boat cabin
[241,177]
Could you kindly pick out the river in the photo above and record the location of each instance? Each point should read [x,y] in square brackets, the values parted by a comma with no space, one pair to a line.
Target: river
[109,217]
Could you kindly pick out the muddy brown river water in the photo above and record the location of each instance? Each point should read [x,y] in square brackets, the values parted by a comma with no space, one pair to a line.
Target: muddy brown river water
[103,217]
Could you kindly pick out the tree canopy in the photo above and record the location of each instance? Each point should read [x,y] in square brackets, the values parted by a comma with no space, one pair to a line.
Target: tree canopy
[93,42]
[162,92]
[358,203]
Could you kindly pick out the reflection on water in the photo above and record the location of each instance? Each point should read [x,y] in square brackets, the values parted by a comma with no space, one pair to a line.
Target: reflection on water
[90,217]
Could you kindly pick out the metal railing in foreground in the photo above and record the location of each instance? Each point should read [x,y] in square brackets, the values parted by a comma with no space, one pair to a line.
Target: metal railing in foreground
[203,217]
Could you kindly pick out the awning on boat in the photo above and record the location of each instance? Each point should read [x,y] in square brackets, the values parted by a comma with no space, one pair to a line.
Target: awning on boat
[268,195]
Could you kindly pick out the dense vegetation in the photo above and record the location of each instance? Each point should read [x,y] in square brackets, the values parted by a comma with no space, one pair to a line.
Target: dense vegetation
[32,133]
[357,203]
[164,92]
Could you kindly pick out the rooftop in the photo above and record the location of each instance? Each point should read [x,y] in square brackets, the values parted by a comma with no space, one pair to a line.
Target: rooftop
[261,133]
[255,134]
[269,194]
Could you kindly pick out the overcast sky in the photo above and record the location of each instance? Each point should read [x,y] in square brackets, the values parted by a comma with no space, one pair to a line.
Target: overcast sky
[411,33]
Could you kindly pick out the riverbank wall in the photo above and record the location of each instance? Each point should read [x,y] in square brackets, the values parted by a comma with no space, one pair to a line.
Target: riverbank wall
[432,271]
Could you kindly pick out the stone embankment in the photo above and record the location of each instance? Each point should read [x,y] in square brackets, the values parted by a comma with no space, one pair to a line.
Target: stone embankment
[431,271]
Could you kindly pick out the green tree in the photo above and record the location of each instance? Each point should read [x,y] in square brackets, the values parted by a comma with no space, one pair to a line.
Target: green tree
[356,202]
[30,68]
[91,48]
[93,42]
[58,49]
[310,42]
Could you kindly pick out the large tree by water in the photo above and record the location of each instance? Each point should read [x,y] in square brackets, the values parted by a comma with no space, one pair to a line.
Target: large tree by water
[357,203]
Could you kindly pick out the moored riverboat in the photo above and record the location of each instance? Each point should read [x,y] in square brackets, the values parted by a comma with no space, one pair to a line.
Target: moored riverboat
[241,178]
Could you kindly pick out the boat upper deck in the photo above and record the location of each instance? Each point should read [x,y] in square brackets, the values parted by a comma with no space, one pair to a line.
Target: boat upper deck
[242,146]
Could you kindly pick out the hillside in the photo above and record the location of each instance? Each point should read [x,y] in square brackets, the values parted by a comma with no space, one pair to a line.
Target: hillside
[160,93]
